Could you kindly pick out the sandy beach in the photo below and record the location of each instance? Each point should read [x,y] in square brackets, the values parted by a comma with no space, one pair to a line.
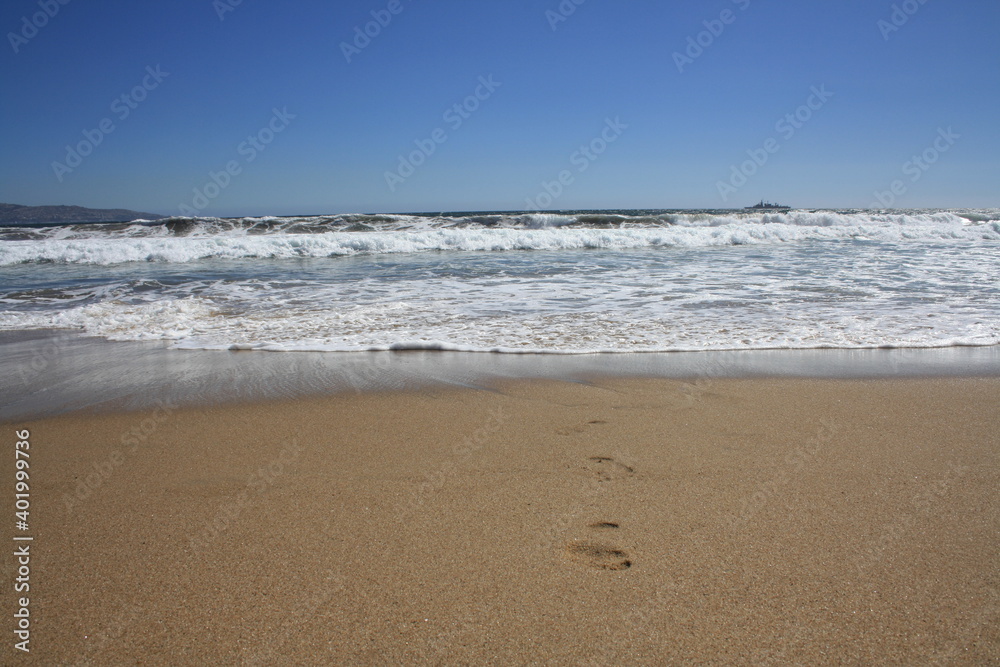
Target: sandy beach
[641,521]
[554,333]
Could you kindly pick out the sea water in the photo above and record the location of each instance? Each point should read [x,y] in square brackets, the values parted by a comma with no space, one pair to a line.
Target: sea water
[567,282]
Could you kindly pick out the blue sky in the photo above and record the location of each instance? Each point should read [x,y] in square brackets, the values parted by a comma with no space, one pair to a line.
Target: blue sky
[265,89]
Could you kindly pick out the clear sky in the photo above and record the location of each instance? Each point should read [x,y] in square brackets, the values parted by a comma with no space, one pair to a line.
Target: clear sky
[309,115]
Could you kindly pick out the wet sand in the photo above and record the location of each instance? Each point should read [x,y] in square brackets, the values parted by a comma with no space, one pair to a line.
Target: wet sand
[54,372]
[617,521]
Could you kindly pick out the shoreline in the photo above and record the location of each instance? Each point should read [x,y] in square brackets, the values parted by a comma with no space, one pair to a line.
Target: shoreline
[56,372]
[620,521]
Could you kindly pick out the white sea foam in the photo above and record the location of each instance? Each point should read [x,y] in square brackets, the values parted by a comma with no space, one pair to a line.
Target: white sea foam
[197,324]
[555,283]
[213,240]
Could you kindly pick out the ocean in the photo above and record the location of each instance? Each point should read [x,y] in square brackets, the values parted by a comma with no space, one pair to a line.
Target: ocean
[568,282]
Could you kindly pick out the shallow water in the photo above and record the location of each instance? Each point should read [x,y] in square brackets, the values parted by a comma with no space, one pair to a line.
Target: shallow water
[50,373]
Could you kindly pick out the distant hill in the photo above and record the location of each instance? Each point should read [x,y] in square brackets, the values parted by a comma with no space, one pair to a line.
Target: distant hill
[15,213]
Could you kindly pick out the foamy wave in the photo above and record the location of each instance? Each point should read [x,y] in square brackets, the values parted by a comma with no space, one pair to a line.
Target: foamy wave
[539,233]
[197,323]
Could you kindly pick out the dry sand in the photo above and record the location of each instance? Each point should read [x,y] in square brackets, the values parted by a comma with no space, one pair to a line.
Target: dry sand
[619,522]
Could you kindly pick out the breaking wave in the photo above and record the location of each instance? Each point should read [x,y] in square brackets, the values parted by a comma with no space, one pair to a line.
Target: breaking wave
[179,240]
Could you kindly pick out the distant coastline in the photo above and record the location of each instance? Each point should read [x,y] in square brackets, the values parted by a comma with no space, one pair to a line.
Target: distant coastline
[16,213]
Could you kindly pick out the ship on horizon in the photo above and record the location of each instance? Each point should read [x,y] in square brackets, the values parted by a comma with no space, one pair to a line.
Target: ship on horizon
[768,205]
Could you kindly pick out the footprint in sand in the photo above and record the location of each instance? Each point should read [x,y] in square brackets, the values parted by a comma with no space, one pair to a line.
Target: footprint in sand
[607,468]
[580,428]
[603,525]
[599,555]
